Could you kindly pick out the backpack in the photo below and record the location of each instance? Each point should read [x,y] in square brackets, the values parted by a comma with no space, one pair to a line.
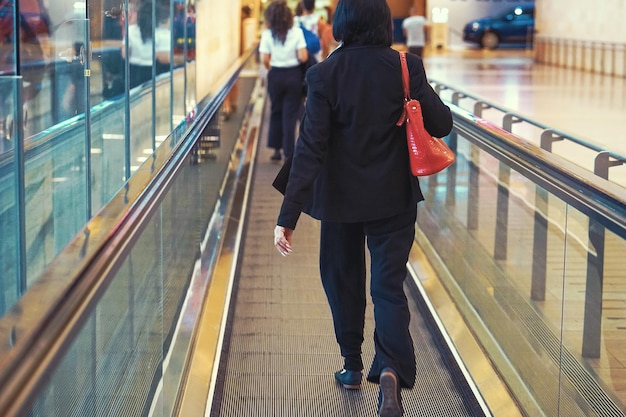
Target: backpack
[312,40]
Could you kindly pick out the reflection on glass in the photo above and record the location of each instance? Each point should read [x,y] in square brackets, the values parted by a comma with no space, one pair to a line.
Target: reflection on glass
[72,168]
[33,44]
[542,277]
[140,43]
[10,285]
[107,55]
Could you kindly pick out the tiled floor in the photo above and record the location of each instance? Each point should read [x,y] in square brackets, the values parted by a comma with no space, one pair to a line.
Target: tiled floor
[591,107]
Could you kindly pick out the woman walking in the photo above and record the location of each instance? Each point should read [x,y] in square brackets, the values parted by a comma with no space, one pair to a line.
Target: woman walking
[350,170]
[282,49]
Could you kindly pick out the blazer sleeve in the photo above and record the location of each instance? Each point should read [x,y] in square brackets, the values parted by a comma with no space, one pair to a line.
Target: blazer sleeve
[309,153]
[437,116]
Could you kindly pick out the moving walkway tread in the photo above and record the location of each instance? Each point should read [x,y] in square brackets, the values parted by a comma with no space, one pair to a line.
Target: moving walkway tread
[279,350]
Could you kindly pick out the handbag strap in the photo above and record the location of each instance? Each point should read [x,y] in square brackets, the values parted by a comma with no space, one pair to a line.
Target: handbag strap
[405,85]
[405,76]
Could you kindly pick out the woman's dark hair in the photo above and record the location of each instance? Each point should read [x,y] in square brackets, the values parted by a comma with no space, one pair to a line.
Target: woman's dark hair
[144,18]
[279,19]
[308,5]
[364,22]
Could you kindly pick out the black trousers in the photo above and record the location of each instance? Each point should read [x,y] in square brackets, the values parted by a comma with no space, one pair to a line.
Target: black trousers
[343,272]
[284,86]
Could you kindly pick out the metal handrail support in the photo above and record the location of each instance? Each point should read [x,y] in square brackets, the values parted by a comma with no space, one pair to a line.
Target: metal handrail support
[440,87]
[457,96]
[592,321]
[474,185]
[548,137]
[508,121]
[502,212]
[603,162]
[540,246]
[479,106]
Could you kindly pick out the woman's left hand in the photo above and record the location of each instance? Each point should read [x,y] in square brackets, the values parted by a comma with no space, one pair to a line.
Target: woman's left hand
[282,240]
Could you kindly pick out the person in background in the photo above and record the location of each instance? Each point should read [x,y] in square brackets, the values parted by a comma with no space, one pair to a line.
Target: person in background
[282,48]
[325,32]
[140,43]
[414,28]
[350,170]
[309,20]
[298,12]
[305,15]
[230,102]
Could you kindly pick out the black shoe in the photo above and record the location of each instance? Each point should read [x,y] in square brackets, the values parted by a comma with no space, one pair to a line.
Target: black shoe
[349,379]
[276,156]
[389,398]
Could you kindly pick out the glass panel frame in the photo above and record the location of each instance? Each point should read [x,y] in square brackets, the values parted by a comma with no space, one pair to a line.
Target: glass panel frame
[12,283]
[527,268]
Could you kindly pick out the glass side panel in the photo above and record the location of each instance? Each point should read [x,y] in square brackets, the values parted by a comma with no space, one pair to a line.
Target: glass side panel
[143,67]
[594,312]
[65,85]
[107,27]
[56,170]
[10,286]
[119,357]
[108,121]
[8,40]
[36,62]
[541,280]
[108,152]
[190,52]
[163,117]
[190,84]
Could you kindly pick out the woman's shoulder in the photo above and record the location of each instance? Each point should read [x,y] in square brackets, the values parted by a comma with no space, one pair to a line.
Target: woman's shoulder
[309,20]
[295,30]
[414,61]
[295,33]
[133,29]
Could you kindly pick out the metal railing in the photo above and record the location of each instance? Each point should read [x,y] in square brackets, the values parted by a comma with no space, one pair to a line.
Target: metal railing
[587,55]
[511,224]
[40,331]
[603,159]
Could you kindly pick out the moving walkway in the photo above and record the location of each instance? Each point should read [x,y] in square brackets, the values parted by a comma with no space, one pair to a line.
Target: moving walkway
[173,301]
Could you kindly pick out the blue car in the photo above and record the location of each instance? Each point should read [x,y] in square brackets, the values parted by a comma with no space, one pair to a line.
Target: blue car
[516,25]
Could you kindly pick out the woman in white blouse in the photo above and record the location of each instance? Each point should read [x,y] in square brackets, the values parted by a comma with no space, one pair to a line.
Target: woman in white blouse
[140,40]
[282,49]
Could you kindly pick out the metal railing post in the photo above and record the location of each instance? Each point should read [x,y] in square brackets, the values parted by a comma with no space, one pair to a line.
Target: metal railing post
[540,246]
[473,189]
[452,170]
[603,162]
[548,137]
[508,120]
[456,97]
[479,106]
[592,322]
[502,213]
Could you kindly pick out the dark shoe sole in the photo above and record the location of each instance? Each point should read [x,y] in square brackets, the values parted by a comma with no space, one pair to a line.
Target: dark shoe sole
[346,386]
[389,407]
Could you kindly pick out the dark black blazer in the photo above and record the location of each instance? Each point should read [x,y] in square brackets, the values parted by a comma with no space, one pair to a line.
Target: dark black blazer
[351,162]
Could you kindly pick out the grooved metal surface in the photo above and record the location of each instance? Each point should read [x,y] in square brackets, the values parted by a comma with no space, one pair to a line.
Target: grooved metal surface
[280,351]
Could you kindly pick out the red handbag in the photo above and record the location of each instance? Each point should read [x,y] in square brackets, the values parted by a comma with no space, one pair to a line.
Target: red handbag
[428,155]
